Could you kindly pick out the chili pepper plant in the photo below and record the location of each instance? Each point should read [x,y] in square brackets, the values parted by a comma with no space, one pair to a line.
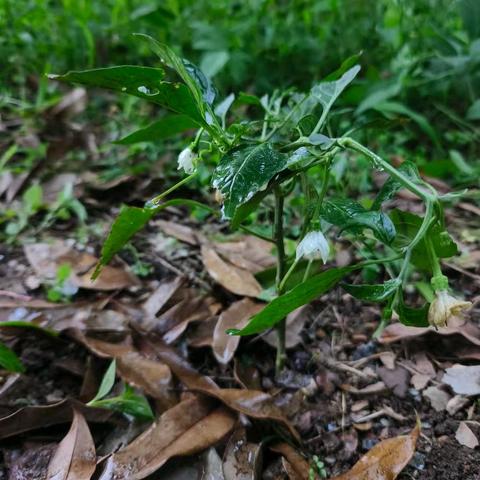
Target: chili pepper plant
[288,151]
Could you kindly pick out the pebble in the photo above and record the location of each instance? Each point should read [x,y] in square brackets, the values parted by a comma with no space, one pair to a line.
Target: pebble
[418,461]
[364,350]
[368,443]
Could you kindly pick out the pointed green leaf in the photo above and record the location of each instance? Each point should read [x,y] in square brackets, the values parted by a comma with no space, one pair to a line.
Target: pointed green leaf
[200,86]
[245,171]
[129,402]
[327,92]
[143,82]
[130,220]
[164,128]
[108,381]
[302,294]
[373,293]
[9,361]
[350,215]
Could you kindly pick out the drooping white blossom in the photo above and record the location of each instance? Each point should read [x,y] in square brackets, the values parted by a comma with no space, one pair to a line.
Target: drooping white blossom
[445,307]
[187,160]
[313,247]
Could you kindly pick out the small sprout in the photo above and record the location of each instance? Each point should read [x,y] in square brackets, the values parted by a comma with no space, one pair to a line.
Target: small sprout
[444,308]
[187,160]
[313,247]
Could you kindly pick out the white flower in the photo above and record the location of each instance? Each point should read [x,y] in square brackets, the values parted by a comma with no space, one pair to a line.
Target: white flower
[187,160]
[445,307]
[313,246]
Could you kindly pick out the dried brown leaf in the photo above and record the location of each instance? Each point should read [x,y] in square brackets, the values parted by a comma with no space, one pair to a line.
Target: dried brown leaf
[153,377]
[236,316]
[30,418]
[159,298]
[191,426]
[46,258]
[250,253]
[252,403]
[234,279]
[300,466]
[385,460]
[75,457]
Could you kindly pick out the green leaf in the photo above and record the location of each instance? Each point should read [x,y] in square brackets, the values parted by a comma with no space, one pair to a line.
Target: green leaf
[302,294]
[348,214]
[143,82]
[327,92]
[199,85]
[245,171]
[164,128]
[9,361]
[130,220]
[392,185]
[346,65]
[373,293]
[106,386]
[413,317]
[407,225]
[129,403]
[244,210]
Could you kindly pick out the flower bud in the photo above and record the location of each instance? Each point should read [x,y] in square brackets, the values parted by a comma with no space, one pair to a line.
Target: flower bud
[187,160]
[444,308]
[313,246]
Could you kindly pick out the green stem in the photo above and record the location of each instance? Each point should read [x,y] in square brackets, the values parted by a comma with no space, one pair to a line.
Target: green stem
[281,287]
[427,221]
[307,270]
[156,200]
[390,169]
[279,236]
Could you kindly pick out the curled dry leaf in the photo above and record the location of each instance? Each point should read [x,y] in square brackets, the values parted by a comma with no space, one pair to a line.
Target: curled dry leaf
[297,465]
[31,418]
[253,403]
[242,460]
[159,298]
[153,377]
[75,457]
[465,436]
[385,460]
[46,258]
[236,316]
[250,253]
[191,426]
[234,279]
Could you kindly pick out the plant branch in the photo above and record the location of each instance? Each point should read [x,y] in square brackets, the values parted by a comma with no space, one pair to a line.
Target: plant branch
[390,169]
[278,235]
